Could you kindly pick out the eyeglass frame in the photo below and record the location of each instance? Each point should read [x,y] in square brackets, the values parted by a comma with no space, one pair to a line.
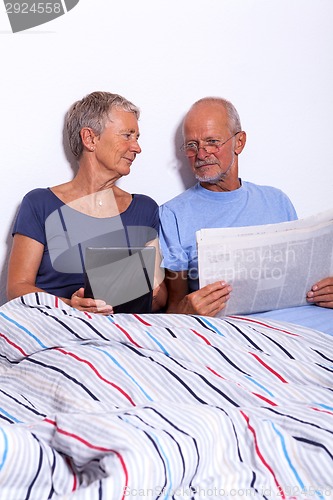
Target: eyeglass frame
[196,146]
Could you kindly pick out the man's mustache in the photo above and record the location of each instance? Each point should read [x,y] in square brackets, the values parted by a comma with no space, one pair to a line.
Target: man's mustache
[201,163]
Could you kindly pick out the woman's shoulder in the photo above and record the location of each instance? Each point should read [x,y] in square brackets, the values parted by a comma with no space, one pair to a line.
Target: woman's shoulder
[41,198]
[144,199]
[37,193]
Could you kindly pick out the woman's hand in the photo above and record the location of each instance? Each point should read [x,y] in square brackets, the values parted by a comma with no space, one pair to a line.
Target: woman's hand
[80,302]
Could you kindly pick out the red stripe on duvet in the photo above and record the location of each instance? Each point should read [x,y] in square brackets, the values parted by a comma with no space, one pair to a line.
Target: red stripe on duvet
[70,465]
[14,345]
[251,429]
[215,373]
[94,447]
[141,320]
[264,399]
[81,360]
[269,368]
[320,410]
[265,324]
[128,336]
[202,337]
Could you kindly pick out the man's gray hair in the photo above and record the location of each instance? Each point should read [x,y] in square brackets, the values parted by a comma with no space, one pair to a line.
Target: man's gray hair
[233,116]
[93,111]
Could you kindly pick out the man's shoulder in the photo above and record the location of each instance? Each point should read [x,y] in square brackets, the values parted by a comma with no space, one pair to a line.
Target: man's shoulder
[265,191]
[262,188]
[273,199]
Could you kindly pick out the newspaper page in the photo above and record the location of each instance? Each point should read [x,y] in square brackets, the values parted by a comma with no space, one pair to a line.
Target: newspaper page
[270,266]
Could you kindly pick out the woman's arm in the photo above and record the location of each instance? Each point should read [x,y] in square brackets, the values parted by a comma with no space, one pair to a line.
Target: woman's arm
[25,258]
[160,293]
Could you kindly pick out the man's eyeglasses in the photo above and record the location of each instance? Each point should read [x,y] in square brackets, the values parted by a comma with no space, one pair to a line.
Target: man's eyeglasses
[211,146]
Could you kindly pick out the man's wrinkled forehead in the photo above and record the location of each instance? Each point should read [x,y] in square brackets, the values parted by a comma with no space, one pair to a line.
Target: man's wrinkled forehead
[205,117]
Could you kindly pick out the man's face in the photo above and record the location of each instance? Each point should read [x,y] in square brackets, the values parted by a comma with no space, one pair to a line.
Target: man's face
[203,124]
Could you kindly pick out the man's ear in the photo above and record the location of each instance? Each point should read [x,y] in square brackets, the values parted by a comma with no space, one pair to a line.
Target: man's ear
[88,138]
[240,142]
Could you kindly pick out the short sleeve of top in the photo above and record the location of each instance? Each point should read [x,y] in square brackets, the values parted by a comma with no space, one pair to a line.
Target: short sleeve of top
[199,208]
[35,207]
[65,233]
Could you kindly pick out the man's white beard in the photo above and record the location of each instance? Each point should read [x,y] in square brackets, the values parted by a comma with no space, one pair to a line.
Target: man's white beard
[215,178]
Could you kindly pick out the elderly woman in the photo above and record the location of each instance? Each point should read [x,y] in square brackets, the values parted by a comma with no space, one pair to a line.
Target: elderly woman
[55,225]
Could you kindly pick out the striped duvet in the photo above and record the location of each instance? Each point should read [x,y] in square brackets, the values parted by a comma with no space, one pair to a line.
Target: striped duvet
[161,406]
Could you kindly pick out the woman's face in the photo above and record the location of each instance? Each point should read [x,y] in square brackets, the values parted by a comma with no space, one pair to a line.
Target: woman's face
[117,146]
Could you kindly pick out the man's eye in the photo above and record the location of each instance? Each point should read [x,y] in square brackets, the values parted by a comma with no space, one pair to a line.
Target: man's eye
[212,142]
[191,145]
[127,136]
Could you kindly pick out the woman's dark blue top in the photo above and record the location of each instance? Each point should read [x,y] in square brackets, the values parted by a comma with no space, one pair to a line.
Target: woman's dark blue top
[65,234]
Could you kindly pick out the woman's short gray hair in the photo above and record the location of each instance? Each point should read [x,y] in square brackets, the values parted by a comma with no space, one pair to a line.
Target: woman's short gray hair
[93,111]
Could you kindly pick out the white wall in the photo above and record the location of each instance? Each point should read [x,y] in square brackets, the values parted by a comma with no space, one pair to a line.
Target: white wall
[271,58]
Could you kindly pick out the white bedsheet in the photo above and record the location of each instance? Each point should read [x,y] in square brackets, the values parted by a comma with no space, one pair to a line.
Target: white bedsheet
[310,316]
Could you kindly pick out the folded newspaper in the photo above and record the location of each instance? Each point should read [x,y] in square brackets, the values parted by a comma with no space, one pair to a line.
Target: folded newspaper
[270,266]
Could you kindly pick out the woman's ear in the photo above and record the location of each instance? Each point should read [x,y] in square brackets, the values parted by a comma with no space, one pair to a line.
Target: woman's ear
[88,138]
[240,142]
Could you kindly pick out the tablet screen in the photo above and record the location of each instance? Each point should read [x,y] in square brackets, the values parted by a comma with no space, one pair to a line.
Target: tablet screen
[122,277]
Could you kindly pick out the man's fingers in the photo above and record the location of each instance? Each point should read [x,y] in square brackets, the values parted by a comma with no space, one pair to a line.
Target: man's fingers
[209,300]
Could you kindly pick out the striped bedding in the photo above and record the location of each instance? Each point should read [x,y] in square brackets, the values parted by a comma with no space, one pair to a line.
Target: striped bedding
[161,406]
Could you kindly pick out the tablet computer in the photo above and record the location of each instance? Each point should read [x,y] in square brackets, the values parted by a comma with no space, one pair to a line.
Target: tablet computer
[122,277]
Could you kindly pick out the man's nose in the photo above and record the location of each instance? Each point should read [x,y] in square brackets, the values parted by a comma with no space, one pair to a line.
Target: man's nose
[202,153]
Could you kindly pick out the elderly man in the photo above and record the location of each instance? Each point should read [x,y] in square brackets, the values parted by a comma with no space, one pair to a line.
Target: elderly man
[213,141]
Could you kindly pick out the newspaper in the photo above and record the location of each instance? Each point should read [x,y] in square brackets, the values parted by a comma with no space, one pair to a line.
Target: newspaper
[270,266]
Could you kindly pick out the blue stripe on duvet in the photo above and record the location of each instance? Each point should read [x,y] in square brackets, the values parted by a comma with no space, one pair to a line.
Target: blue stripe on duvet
[4,412]
[292,467]
[259,385]
[158,343]
[125,371]
[21,327]
[205,321]
[5,451]
[329,408]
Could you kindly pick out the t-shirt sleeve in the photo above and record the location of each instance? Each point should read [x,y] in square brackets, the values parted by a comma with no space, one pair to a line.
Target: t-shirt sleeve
[29,221]
[155,219]
[274,206]
[290,209]
[173,255]
[152,220]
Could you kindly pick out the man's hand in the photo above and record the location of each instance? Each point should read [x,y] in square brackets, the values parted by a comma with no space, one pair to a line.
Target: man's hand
[207,301]
[89,305]
[321,293]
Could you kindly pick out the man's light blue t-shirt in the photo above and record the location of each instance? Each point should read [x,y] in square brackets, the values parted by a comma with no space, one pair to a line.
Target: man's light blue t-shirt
[199,208]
